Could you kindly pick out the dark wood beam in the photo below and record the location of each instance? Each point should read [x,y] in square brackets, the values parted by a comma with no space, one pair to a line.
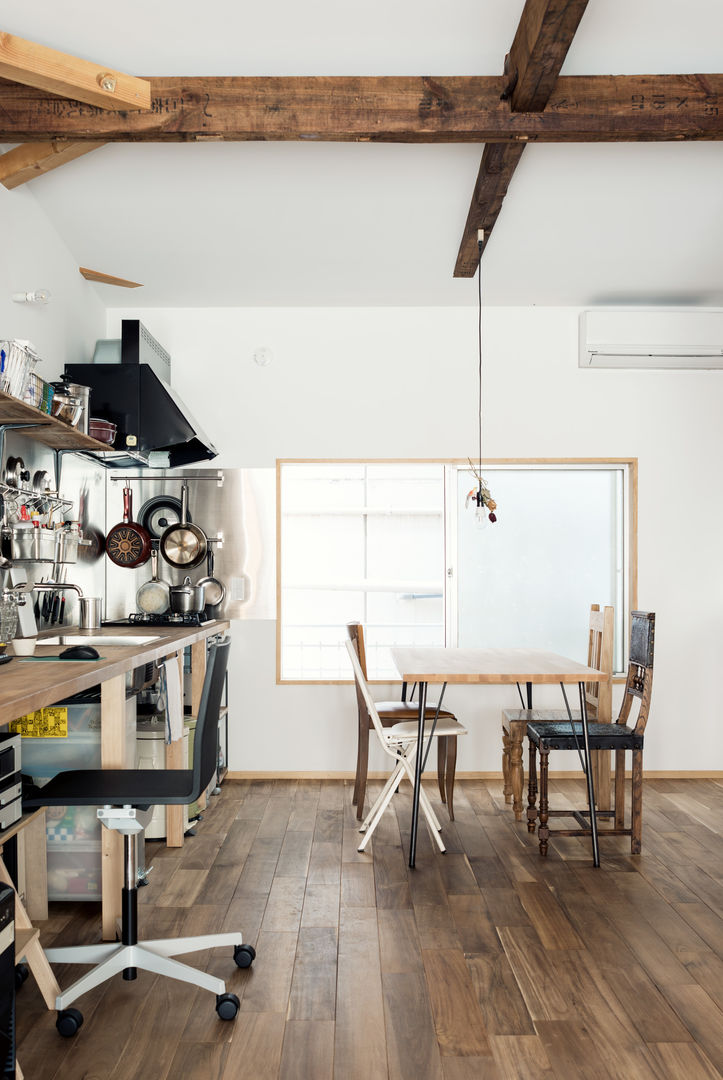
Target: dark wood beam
[601,108]
[544,35]
[499,161]
[541,43]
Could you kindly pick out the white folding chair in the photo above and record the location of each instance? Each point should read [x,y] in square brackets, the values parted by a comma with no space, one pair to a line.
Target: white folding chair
[399,741]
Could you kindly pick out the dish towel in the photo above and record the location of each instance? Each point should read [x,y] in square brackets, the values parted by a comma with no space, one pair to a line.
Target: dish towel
[174,701]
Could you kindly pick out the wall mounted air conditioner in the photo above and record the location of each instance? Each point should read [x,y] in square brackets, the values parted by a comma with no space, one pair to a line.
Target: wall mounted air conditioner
[683,339]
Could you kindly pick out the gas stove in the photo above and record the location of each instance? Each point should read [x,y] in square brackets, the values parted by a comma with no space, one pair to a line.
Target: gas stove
[140,618]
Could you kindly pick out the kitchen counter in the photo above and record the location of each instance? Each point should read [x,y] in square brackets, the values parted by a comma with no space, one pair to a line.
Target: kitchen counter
[25,687]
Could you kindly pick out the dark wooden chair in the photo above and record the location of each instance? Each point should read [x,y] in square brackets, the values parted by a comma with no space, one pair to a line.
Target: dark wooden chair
[547,735]
[395,712]
[599,705]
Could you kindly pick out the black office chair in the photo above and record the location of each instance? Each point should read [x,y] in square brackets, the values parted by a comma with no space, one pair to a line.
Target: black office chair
[127,797]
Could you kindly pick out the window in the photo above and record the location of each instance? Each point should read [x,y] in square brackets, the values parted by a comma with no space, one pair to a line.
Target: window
[392,545]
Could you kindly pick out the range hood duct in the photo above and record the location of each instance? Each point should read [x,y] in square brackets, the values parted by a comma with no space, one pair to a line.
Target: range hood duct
[150,416]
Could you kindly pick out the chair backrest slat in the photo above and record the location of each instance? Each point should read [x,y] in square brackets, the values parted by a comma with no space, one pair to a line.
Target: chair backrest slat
[205,746]
[639,682]
[599,696]
[363,691]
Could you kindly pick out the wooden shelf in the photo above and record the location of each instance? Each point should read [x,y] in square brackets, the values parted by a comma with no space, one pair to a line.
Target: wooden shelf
[46,429]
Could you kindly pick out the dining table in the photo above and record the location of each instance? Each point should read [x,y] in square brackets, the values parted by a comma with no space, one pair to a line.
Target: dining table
[501,666]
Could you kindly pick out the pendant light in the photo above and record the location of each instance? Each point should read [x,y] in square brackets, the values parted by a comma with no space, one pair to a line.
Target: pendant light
[480,497]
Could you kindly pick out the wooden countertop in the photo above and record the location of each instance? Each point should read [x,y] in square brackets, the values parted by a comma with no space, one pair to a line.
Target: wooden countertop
[25,687]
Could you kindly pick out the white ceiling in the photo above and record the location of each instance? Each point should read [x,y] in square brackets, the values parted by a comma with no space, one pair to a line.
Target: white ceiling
[336,224]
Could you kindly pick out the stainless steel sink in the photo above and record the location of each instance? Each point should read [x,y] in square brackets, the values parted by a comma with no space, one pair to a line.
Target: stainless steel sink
[106,639]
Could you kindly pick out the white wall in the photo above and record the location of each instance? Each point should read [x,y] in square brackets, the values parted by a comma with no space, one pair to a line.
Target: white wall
[402,383]
[33,257]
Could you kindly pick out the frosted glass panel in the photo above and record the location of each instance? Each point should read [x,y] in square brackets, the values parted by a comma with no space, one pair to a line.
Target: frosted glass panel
[529,579]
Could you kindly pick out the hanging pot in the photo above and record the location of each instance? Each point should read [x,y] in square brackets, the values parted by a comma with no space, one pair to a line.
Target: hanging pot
[184,545]
[153,596]
[214,589]
[128,544]
[159,513]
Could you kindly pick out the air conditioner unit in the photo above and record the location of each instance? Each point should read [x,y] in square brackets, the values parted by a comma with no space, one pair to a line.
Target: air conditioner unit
[683,339]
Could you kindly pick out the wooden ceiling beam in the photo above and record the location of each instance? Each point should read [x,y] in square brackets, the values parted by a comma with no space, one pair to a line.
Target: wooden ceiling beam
[56,72]
[499,161]
[598,108]
[29,160]
[544,35]
[541,43]
[108,279]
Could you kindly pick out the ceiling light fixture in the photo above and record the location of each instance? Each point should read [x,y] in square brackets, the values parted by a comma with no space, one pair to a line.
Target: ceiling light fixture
[39,296]
[481,498]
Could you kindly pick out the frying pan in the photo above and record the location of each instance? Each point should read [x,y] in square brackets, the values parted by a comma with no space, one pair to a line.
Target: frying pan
[184,545]
[158,513]
[214,590]
[128,543]
[153,596]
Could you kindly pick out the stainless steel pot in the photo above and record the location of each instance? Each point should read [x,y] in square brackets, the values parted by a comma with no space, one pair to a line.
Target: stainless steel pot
[187,597]
[19,541]
[78,393]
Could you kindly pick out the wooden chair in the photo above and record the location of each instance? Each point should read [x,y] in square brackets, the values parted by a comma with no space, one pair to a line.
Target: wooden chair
[599,703]
[395,712]
[400,742]
[557,735]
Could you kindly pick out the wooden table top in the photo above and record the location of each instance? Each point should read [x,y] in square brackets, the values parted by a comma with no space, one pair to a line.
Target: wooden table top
[490,666]
[25,687]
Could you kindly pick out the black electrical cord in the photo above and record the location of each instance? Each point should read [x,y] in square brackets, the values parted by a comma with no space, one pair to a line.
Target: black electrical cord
[479,353]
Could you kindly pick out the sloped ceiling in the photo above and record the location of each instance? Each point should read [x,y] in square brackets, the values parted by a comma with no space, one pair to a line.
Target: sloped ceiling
[337,224]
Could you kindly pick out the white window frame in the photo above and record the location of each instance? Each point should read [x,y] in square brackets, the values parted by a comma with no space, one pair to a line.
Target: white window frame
[627,588]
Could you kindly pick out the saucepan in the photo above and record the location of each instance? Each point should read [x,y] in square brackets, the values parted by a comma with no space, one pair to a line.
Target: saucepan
[184,545]
[153,597]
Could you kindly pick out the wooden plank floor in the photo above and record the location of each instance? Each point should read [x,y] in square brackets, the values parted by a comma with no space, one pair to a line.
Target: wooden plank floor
[487,962]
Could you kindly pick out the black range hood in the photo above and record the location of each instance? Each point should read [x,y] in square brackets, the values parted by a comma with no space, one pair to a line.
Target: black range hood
[147,412]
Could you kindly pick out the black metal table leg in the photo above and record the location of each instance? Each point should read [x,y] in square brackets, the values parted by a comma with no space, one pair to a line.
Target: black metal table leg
[422,708]
[589,776]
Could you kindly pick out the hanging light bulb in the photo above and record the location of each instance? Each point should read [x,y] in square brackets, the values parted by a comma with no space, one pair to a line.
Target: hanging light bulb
[480,496]
[39,296]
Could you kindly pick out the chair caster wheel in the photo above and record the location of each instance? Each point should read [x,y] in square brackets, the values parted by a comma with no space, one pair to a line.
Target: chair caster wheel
[227,1006]
[69,1022]
[244,955]
[21,973]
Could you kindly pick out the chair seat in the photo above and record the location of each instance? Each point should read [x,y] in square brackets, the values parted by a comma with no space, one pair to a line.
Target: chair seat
[113,787]
[556,735]
[445,726]
[397,711]
[534,716]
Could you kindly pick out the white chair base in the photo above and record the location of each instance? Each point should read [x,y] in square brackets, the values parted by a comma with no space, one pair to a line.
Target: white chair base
[153,956]
[382,802]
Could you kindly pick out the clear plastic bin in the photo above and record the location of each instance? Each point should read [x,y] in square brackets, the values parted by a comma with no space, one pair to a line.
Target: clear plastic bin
[74,871]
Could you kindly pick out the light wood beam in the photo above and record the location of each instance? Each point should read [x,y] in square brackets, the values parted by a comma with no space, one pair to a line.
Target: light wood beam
[544,35]
[414,109]
[59,73]
[108,279]
[29,160]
